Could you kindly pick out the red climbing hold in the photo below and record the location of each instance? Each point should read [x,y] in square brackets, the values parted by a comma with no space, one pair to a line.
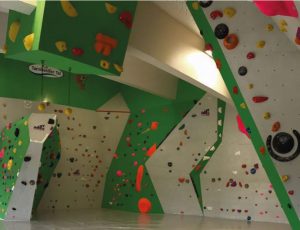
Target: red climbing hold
[181,179]
[218,64]
[126,18]
[250,55]
[139,177]
[216,13]
[241,126]
[119,173]
[291,192]
[262,150]
[151,150]
[144,205]
[235,90]
[259,99]
[276,126]
[77,51]
[154,125]
[208,46]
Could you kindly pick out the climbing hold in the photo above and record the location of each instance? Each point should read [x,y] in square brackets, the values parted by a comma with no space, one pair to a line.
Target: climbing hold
[14,29]
[181,179]
[61,46]
[297,39]
[2,153]
[276,126]
[291,192]
[269,27]
[119,173]
[241,126]
[27,158]
[118,68]
[41,107]
[262,150]
[229,12]
[110,8]
[144,205]
[221,31]
[24,183]
[208,46]
[28,41]
[77,51]
[68,111]
[253,170]
[250,86]
[104,64]
[283,143]
[126,19]
[139,177]
[205,4]
[267,115]
[235,90]
[216,13]
[9,164]
[248,218]
[231,41]
[104,44]
[151,150]
[195,5]
[218,64]
[243,105]
[284,178]
[282,25]
[242,71]
[250,55]
[154,125]
[68,8]
[259,99]
[17,132]
[260,44]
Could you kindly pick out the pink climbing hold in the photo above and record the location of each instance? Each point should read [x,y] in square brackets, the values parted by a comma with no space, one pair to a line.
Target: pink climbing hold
[273,8]
[119,173]
[2,153]
[241,126]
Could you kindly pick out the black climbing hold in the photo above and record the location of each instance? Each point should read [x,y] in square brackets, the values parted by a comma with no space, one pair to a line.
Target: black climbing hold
[24,183]
[253,170]
[290,206]
[182,127]
[283,142]
[205,4]
[17,132]
[51,121]
[27,158]
[46,185]
[14,209]
[248,218]
[170,164]
[242,71]
[32,182]
[59,175]
[221,31]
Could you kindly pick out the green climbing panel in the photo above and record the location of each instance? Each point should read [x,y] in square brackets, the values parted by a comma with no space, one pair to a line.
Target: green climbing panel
[14,143]
[51,154]
[88,37]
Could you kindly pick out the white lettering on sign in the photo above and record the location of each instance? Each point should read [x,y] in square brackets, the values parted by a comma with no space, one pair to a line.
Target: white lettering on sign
[46,71]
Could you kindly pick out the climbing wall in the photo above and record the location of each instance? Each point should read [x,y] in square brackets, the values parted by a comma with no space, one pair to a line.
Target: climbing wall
[238,187]
[87,147]
[179,154]
[128,183]
[20,205]
[14,145]
[259,65]
[53,33]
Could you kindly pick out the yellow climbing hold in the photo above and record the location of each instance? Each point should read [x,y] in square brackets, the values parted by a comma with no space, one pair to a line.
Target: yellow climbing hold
[28,41]
[243,105]
[284,178]
[267,115]
[9,164]
[20,142]
[41,107]
[250,86]
[14,150]
[282,25]
[104,64]
[229,12]
[195,5]
[68,8]
[110,8]
[68,111]
[260,44]
[26,123]
[269,27]
[14,29]
[118,68]
[61,46]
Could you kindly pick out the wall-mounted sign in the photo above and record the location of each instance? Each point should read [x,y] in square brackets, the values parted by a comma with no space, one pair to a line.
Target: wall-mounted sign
[45,71]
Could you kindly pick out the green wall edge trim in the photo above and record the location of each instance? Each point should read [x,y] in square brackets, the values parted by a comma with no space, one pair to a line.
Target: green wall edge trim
[246,116]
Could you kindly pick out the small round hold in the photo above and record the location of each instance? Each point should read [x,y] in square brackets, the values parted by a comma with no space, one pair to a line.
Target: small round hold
[248,218]
[231,41]
[242,71]
[205,4]
[221,31]
[32,182]
[253,170]
[27,158]
[250,55]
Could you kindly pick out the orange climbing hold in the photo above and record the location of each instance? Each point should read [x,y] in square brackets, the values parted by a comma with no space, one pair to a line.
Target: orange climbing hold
[104,44]
[139,178]
[276,126]
[144,205]
[151,150]
[231,41]
[218,64]
[262,150]
[154,125]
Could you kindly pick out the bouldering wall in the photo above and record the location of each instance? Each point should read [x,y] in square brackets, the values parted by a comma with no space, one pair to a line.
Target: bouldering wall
[180,154]
[128,183]
[234,184]
[52,34]
[259,65]
[88,141]
[20,205]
